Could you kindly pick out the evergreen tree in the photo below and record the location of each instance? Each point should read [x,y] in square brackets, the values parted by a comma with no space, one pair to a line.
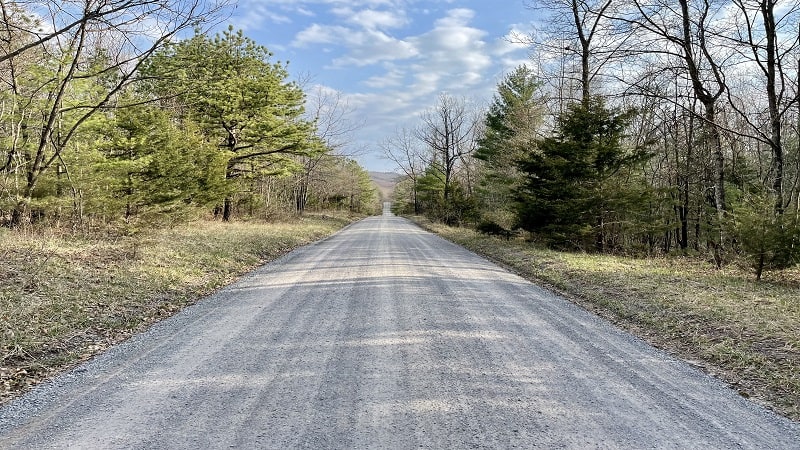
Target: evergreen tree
[244,103]
[510,129]
[156,171]
[767,239]
[563,193]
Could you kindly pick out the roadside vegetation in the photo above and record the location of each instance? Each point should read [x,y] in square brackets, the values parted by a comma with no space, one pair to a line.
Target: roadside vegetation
[722,321]
[66,297]
[142,167]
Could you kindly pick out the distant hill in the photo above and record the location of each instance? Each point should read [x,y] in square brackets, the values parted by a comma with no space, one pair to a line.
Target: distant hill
[386,181]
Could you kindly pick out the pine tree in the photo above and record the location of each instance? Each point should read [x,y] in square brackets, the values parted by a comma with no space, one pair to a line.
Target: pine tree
[511,124]
[156,172]
[244,103]
[562,195]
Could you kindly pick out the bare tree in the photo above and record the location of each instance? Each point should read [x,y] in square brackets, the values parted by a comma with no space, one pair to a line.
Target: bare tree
[765,34]
[334,125]
[403,149]
[679,35]
[448,130]
[579,35]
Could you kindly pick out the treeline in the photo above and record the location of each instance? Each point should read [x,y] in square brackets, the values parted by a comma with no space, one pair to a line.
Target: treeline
[109,117]
[637,127]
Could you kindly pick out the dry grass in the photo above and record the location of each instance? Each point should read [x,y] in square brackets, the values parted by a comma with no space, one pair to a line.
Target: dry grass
[745,332]
[65,298]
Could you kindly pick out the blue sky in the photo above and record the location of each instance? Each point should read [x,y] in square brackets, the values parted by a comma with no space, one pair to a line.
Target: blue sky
[390,59]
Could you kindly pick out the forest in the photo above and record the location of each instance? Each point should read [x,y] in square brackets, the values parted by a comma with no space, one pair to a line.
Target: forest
[125,115]
[636,128]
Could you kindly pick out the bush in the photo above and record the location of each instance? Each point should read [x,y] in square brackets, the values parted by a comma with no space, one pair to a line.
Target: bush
[766,239]
[492,228]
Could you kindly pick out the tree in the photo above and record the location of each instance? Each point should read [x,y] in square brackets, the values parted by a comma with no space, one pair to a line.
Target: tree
[126,17]
[404,151]
[333,127]
[343,184]
[562,194]
[767,240]
[71,51]
[448,130]
[511,127]
[682,36]
[244,103]
[764,33]
[575,30]
[156,170]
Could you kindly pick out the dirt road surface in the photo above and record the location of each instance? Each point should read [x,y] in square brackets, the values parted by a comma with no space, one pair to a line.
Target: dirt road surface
[386,336]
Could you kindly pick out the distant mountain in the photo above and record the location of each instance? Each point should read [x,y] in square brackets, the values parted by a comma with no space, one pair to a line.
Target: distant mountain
[386,181]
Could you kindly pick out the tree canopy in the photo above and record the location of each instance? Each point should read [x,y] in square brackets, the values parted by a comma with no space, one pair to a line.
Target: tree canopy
[189,125]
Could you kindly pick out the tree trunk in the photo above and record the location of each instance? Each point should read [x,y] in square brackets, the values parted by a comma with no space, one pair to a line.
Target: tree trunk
[226,208]
[714,140]
[771,68]
[18,214]
[760,266]
[301,197]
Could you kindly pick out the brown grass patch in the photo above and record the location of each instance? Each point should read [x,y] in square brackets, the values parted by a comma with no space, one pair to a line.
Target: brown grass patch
[65,298]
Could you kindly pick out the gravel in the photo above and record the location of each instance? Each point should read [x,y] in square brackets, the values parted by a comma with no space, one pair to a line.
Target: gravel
[386,336]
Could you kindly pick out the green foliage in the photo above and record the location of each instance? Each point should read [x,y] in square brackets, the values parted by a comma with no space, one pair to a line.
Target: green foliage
[349,187]
[154,170]
[510,126]
[767,240]
[513,117]
[458,208]
[567,193]
[403,197]
[243,103]
[208,122]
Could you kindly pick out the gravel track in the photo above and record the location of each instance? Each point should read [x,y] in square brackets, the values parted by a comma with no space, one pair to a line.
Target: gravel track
[386,336]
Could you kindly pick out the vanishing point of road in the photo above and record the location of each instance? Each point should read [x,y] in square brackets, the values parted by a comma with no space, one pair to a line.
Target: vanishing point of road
[386,336]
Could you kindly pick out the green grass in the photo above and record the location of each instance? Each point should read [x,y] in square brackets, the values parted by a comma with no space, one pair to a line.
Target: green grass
[743,331]
[64,298]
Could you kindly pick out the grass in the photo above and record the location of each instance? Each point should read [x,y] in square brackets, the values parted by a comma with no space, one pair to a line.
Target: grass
[64,298]
[742,331]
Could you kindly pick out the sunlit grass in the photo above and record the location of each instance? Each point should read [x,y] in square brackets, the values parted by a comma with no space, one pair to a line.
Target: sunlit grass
[63,298]
[744,331]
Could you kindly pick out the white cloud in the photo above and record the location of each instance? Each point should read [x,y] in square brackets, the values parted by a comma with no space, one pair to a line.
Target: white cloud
[512,42]
[319,34]
[393,78]
[390,69]
[366,47]
[372,19]
[305,12]
[453,52]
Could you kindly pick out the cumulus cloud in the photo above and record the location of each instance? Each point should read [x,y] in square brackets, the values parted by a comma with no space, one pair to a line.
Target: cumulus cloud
[259,13]
[394,77]
[390,58]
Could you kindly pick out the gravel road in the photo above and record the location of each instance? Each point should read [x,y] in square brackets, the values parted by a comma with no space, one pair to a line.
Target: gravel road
[386,336]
